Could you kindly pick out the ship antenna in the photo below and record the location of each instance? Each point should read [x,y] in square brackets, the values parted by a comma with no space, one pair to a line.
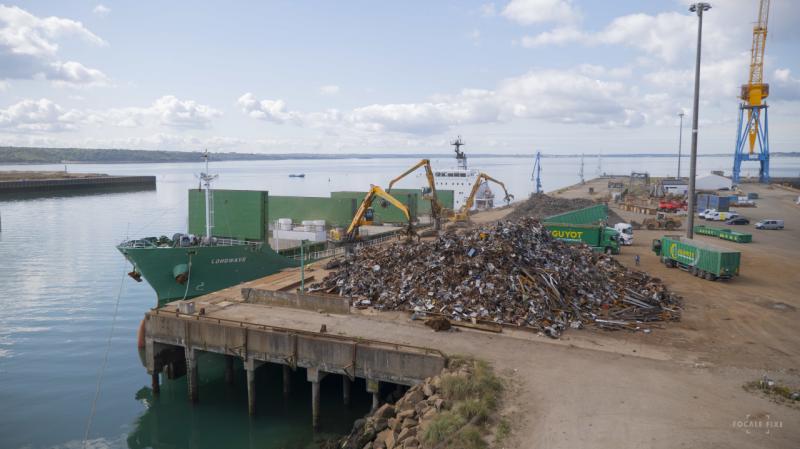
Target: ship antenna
[460,156]
[206,178]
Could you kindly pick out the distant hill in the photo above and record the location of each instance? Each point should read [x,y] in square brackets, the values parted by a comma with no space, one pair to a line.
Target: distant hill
[25,155]
[29,155]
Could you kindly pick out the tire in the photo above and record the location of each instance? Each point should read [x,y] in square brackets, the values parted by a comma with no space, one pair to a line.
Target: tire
[670,226]
[651,226]
[693,271]
[709,276]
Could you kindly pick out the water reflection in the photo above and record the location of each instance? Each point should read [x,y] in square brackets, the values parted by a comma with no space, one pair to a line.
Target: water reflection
[85,191]
[220,418]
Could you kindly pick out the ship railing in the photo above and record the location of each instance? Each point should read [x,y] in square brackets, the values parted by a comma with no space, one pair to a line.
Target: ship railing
[332,252]
[218,241]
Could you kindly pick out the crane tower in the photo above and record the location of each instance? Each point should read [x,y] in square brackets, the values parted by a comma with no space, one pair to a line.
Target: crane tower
[753,131]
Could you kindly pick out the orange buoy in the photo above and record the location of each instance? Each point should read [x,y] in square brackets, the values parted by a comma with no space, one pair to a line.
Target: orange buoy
[140,336]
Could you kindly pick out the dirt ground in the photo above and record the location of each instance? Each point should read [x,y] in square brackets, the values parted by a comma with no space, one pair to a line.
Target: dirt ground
[681,385]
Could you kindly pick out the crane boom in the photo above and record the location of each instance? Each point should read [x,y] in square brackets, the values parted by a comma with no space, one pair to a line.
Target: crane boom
[463,213]
[436,207]
[358,218]
[759,42]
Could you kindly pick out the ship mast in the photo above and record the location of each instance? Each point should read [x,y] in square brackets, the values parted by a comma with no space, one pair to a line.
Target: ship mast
[206,178]
[460,156]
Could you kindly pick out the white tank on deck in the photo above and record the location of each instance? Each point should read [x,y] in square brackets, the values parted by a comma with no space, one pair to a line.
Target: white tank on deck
[285,224]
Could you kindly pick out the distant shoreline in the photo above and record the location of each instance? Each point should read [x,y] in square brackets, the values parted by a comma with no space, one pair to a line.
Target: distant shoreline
[51,156]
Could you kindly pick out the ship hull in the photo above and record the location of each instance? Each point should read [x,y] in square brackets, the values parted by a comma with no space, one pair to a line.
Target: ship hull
[205,269]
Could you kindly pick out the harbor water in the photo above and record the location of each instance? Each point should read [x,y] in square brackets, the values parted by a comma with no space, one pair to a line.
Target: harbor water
[62,282]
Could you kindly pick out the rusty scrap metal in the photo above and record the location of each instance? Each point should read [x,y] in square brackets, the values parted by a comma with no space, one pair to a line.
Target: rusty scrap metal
[511,272]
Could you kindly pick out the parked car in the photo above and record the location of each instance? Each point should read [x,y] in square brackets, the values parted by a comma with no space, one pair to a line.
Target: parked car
[706,212]
[737,221]
[712,216]
[769,224]
[725,216]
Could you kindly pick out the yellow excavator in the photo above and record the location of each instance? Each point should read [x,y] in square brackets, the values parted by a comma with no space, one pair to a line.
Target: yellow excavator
[429,193]
[462,215]
[364,216]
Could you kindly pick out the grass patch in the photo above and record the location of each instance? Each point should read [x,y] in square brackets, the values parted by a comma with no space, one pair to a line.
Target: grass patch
[443,427]
[775,391]
[469,437]
[472,397]
[503,430]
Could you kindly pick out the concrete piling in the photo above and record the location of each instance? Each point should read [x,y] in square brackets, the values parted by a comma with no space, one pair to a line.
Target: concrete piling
[155,385]
[314,376]
[229,369]
[250,366]
[191,374]
[374,387]
[287,381]
[346,384]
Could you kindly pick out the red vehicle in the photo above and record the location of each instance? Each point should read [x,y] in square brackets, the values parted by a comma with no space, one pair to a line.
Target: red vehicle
[671,205]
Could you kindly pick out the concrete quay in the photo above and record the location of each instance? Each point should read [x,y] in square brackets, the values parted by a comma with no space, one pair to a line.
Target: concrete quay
[262,326]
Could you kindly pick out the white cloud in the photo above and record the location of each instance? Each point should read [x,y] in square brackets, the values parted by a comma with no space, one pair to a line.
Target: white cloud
[329,89]
[557,36]
[528,12]
[29,48]
[269,110]
[167,111]
[74,73]
[101,10]
[560,96]
[40,115]
[785,86]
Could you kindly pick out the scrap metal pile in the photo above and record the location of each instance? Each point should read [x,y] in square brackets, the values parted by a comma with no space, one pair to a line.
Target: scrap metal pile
[512,273]
[540,206]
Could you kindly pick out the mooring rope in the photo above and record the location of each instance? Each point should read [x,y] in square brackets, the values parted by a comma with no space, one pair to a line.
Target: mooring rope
[101,374]
[188,278]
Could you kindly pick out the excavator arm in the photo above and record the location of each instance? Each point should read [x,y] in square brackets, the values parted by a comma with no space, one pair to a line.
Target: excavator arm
[436,207]
[463,214]
[366,203]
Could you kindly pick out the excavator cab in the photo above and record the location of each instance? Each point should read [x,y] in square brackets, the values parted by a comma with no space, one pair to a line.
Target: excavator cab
[369,215]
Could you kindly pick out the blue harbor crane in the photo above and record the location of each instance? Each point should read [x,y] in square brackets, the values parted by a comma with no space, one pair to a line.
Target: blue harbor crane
[536,175]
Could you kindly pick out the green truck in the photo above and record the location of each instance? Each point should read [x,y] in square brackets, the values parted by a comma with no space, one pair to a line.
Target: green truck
[599,237]
[698,258]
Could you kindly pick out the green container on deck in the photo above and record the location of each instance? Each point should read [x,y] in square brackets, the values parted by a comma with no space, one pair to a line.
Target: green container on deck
[588,215]
[695,255]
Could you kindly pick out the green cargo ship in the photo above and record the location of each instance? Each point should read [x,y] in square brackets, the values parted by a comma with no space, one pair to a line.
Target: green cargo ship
[209,257]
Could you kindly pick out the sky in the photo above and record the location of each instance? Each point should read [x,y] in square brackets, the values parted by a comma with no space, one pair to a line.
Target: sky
[511,77]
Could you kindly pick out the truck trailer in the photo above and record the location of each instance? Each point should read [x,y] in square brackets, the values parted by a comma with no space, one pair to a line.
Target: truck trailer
[599,237]
[698,258]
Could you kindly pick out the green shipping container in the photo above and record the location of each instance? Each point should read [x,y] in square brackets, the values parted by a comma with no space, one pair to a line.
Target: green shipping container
[698,258]
[588,215]
[599,237]
[238,214]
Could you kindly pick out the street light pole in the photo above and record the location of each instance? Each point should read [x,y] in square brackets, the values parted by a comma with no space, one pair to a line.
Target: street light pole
[698,8]
[680,144]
